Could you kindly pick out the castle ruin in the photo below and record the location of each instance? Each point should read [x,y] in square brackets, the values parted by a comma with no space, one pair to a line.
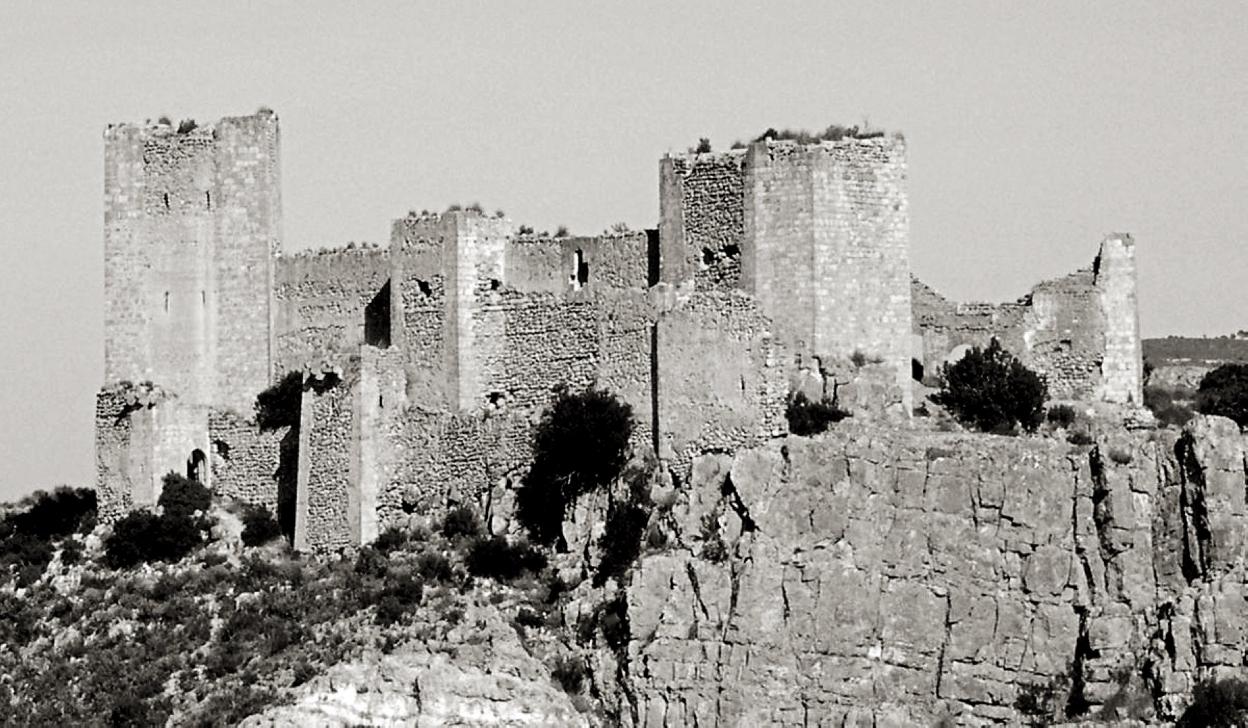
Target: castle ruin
[420,367]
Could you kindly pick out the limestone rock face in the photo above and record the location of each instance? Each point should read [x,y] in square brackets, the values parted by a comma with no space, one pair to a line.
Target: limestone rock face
[482,675]
[876,577]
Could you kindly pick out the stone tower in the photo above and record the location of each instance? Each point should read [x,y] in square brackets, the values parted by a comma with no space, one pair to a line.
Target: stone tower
[1122,374]
[192,221]
[818,233]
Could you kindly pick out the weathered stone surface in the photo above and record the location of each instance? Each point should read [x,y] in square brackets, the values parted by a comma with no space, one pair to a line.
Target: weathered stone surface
[894,577]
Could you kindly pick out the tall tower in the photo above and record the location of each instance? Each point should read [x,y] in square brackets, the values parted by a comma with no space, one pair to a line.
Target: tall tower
[192,220]
[1122,371]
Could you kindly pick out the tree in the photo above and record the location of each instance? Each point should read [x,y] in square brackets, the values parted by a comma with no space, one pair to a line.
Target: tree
[1224,392]
[580,446]
[991,390]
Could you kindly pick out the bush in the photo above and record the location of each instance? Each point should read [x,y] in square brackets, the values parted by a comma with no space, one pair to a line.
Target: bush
[390,540]
[56,514]
[435,567]
[461,521]
[181,497]
[1062,415]
[1166,407]
[1224,392]
[807,417]
[704,146]
[143,537]
[626,522]
[278,406]
[991,390]
[397,598]
[579,446]
[496,558]
[570,673]
[1217,704]
[259,526]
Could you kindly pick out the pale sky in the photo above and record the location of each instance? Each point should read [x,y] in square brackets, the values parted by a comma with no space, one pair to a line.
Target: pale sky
[1033,130]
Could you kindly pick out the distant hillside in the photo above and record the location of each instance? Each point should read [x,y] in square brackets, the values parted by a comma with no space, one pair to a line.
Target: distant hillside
[1219,349]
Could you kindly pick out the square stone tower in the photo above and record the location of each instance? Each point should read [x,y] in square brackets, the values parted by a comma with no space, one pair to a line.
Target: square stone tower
[819,234]
[192,220]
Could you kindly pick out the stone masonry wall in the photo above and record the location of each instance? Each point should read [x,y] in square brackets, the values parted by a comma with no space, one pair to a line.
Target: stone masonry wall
[702,219]
[327,500]
[245,460]
[319,303]
[893,578]
[722,377]
[418,310]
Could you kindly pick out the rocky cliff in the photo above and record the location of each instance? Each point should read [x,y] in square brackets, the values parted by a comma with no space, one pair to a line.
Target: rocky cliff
[870,577]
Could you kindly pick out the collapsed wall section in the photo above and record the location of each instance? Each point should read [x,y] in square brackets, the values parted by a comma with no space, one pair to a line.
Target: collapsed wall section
[322,301]
[1080,331]
[419,246]
[141,435]
[327,504]
[246,461]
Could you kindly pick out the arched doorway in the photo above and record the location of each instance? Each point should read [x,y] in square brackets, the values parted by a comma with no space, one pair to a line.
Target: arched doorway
[195,466]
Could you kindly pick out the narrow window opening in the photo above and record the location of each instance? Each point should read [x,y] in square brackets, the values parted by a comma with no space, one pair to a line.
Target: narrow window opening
[916,370]
[495,284]
[425,289]
[166,200]
[377,319]
[652,257]
[166,301]
[580,271]
[203,298]
[208,200]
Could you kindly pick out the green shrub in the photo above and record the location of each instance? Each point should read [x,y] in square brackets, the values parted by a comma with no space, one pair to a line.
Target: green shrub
[580,445]
[991,390]
[181,497]
[144,537]
[259,526]
[1224,392]
[1217,704]
[56,514]
[461,522]
[807,417]
[497,558]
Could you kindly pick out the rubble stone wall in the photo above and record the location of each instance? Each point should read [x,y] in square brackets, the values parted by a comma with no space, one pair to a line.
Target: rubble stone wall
[702,219]
[320,300]
[245,460]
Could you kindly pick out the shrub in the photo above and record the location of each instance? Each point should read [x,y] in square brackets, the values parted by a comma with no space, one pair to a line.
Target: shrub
[1080,437]
[1165,406]
[579,446]
[397,598]
[626,522]
[1062,415]
[1120,456]
[433,566]
[807,417]
[991,390]
[1217,704]
[259,526]
[570,673]
[181,497]
[496,558]
[187,126]
[460,522]
[704,146]
[561,231]
[56,514]
[143,537]
[390,540]
[1224,392]
[278,406]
